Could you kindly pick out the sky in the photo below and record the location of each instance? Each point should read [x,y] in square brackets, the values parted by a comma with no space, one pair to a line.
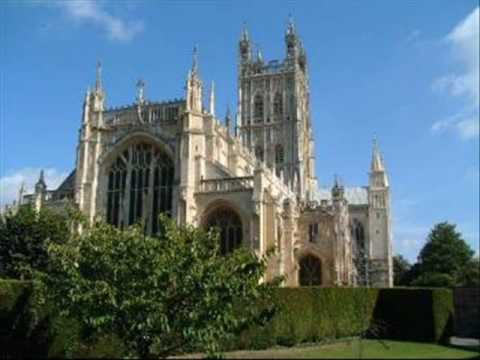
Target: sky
[406,72]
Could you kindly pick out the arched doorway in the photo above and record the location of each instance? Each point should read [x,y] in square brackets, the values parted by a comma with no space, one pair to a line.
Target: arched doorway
[310,273]
[139,186]
[230,227]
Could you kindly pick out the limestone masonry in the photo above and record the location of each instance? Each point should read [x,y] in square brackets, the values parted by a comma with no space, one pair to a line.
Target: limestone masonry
[252,175]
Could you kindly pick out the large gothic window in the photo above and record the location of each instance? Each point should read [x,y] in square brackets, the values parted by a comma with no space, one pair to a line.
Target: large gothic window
[310,271]
[278,105]
[230,227]
[140,186]
[279,154]
[258,108]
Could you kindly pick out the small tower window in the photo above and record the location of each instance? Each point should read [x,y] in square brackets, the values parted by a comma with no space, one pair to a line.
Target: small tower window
[258,108]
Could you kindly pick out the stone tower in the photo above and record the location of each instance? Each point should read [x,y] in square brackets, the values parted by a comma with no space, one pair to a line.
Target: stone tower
[380,249]
[89,148]
[274,112]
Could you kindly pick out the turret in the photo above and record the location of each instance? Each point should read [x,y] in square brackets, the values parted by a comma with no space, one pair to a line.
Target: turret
[212,99]
[228,119]
[40,191]
[98,95]
[380,242]
[244,46]
[194,86]
[292,41]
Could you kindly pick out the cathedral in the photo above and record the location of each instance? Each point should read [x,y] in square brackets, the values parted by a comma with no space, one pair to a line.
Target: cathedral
[252,175]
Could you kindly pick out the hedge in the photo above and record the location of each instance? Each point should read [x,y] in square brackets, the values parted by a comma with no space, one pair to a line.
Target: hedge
[309,314]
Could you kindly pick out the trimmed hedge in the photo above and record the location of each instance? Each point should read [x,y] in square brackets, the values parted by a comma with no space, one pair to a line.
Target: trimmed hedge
[309,314]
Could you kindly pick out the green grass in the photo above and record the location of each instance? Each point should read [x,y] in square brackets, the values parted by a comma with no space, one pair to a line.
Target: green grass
[371,349]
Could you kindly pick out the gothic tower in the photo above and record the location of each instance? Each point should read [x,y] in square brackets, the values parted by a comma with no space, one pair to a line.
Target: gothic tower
[274,111]
[89,148]
[380,247]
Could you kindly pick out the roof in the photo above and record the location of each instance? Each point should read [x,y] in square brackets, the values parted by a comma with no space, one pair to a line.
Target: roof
[355,195]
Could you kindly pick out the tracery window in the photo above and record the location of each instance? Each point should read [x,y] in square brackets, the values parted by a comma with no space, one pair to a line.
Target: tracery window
[258,108]
[230,227]
[278,105]
[359,234]
[140,186]
[310,273]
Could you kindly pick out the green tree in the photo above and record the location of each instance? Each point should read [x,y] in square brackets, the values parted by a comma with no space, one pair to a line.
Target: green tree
[23,238]
[470,276]
[401,267]
[174,292]
[443,259]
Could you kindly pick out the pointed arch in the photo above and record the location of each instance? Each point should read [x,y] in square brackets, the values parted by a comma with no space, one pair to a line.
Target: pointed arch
[310,271]
[229,224]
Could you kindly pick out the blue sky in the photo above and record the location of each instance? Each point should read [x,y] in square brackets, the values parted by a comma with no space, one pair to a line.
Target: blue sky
[406,71]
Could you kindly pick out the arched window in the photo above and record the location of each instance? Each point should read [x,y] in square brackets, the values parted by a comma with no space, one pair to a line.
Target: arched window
[140,185]
[258,108]
[230,227]
[277,105]
[310,273]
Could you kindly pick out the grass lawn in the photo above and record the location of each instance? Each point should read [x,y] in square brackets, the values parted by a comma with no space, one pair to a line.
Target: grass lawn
[372,349]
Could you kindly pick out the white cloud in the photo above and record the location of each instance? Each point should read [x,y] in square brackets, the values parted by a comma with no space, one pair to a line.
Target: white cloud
[465,125]
[464,44]
[90,11]
[10,184]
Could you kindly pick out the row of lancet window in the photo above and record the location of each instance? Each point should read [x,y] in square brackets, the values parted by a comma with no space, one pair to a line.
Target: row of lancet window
[259,107]
[140,185]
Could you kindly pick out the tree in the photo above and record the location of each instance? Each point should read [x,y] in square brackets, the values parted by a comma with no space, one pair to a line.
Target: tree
[470,276]
[401,267]
[23,238]
[443,259]
[172,292]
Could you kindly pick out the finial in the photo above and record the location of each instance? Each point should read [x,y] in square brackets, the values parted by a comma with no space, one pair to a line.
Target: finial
[259,54]
[141,91]
[244,31]
[377,161]
[212,99]
[98,81]
[195,59]
[290,26]
[41,178]
[228,118]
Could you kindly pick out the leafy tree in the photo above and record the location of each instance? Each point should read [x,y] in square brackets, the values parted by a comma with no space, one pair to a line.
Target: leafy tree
[443,259]
[174,292]
[470,276]
[401,267]
[23,237]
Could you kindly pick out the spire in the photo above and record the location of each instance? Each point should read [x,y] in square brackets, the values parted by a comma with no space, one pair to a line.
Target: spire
[195,60]
[40,186]
[377,161]
[290,25]
[140,91]
[98,80]
[21,193]
[228,118]
[212,99]
[245,36]
[194,86]
[259,54]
